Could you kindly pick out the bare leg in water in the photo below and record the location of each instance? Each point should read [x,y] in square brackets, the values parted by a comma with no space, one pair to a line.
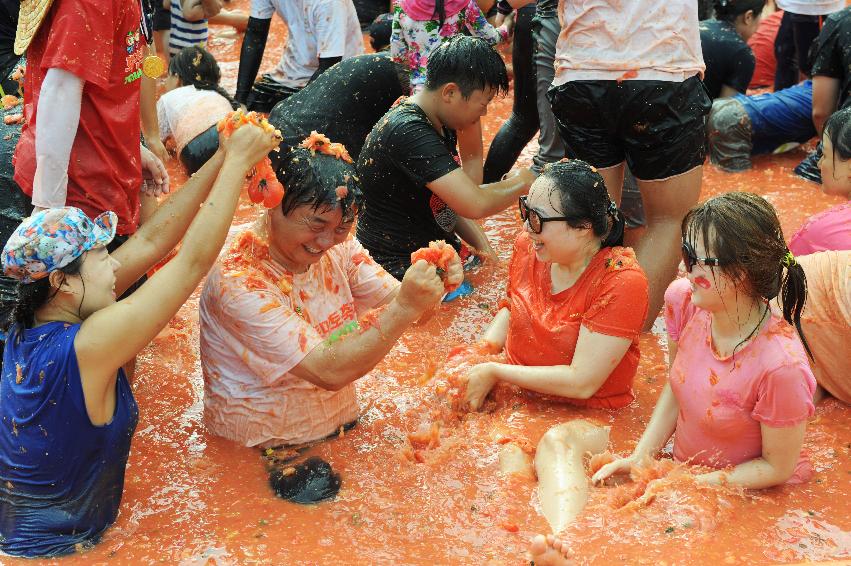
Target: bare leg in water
[562,483]
[666,203]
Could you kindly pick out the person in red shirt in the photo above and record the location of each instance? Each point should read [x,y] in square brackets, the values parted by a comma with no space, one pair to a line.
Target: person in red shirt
[574,293]
[762,45]
[80,145]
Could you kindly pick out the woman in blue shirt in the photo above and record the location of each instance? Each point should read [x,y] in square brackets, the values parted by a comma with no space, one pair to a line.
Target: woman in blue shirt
[66,407]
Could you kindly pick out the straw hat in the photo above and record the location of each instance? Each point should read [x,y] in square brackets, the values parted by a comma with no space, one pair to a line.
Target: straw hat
[30,16]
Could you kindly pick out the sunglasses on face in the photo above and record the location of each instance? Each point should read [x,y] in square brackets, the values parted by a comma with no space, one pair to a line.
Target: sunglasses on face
[690,258]
[534,218]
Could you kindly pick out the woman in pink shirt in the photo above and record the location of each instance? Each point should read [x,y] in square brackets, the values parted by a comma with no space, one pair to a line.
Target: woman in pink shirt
[740,389]
[831,229]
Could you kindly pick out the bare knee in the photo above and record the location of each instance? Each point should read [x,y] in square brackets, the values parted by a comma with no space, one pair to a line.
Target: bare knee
[579,435]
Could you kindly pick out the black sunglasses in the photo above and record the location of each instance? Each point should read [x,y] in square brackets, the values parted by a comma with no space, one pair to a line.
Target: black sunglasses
[690,258]
[534,218]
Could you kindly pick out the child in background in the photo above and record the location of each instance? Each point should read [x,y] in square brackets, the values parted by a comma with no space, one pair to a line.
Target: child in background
[193,105]
[190,21]
[379,33]
[740,388]
[420,26]
[831,229]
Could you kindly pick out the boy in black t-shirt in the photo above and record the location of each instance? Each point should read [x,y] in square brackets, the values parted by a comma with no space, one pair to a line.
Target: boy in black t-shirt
[415,187]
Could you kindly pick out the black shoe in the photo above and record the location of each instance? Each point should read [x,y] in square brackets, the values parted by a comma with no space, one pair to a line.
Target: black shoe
[808,168]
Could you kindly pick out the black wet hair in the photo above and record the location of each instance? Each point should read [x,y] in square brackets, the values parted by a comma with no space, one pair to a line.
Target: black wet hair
[470,62]
[584,200]
[379,32]
[313,179]
[742,230]
[196,66]
[439,13]
[838,129]
[33,296]
[729,10]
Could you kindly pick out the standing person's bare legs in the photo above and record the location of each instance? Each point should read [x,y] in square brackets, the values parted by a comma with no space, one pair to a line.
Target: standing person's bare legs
[666,203]
[613,177]
[562,483]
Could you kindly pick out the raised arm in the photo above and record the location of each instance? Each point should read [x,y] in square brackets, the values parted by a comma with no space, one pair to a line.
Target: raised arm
[161,233]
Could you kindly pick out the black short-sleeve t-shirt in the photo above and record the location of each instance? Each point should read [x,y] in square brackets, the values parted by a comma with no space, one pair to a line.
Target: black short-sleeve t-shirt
[344,102]
[402,154]
[729,60]
[832,52]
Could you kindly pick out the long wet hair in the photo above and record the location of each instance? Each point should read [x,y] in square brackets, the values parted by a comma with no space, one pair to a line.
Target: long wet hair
[729,10]
[580,193]
[197,67]
[33,296]
[838,129]
[470,62]
[313,179]
[742,230]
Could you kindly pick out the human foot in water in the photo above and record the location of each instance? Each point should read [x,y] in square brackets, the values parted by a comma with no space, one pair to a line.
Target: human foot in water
[549,551]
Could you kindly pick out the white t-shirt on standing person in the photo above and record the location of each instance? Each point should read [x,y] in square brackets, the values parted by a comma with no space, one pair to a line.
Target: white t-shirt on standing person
[811,7]
[636,39]
[316,29]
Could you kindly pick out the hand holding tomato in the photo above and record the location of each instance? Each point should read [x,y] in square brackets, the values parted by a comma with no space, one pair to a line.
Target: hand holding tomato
[445,259]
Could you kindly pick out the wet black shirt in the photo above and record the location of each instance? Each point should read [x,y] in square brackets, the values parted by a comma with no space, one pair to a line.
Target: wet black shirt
[546,8]
[729,60]
[832,55]
[402,154]
[344,102]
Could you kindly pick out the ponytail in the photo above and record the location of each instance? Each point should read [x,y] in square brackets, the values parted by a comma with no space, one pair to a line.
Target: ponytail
[616,230]
[793,295]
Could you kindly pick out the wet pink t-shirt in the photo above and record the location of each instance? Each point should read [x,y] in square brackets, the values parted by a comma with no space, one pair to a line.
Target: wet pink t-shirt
[828,230]
[724,402]
[259,321]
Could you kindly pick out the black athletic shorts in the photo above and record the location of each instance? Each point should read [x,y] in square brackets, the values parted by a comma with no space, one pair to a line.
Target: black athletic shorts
[658,127]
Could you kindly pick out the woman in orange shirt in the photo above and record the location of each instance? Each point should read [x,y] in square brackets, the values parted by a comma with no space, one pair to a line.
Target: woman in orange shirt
[576,302]
[576,297]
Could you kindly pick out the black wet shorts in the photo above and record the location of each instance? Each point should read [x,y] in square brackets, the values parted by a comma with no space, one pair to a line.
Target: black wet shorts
[266,93]
[658,127]
[200,149]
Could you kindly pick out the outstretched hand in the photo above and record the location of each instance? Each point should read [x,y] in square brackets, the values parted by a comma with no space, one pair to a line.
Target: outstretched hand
[619,466]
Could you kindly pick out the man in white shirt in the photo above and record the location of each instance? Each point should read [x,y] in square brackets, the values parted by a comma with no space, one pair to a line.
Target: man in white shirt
[321,33]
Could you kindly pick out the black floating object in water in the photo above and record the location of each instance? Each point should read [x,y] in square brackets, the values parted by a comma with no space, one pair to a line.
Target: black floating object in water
[310,481]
